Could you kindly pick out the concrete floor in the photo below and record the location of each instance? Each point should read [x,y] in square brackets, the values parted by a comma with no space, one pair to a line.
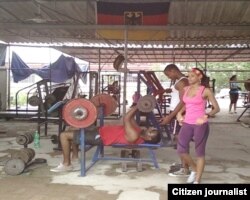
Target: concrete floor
[227,158]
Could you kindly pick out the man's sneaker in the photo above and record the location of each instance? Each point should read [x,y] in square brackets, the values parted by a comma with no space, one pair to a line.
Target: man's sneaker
[191,177]
[175,167]
[62,168]
[181,172]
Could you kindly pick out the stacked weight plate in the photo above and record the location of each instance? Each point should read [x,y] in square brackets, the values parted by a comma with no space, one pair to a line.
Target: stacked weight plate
[19,160]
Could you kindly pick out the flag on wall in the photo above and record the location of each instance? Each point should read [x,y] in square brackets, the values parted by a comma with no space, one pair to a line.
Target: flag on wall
[113,13]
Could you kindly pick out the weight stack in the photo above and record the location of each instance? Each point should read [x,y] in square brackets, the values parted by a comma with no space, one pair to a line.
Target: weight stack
[19,160]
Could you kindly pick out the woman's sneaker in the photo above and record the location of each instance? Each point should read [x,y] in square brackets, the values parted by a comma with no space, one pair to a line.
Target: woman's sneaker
[62,168]
[191,177]
[182,172]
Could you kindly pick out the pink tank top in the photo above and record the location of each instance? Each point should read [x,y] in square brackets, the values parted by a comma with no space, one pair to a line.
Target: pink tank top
[195,106]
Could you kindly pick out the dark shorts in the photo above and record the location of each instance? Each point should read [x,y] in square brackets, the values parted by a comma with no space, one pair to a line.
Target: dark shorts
[234,97]
[91,134]
[199,133]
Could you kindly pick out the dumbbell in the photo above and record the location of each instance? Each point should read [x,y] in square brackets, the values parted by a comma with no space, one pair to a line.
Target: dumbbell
[25,138]
[146,103]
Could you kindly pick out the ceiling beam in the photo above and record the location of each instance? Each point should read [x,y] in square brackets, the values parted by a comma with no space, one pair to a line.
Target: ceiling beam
[154,48]
[233,54]
[190,27]
[126,1]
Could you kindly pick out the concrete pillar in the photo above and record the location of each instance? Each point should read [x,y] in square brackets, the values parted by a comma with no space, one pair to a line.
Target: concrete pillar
[3,89]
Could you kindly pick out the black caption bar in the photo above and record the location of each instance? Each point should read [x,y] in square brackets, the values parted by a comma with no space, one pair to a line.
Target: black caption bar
[209,191]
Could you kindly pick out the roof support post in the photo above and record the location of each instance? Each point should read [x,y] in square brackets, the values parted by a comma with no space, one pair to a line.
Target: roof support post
[99,71]
[205,69]
[125,69]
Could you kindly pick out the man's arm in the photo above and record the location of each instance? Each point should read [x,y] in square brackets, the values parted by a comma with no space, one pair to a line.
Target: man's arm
[130,125]
[180,87]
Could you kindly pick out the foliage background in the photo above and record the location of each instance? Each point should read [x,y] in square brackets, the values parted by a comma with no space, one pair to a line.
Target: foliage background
[221,72]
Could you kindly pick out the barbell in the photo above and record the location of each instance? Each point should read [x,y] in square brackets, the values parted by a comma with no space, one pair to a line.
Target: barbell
[146,103]
[81,113]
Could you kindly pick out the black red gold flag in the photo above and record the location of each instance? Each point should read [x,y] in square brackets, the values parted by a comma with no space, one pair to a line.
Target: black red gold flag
[114,13]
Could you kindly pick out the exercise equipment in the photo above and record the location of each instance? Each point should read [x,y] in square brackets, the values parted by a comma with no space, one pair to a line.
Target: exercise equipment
[105,104]
[54,139]
[79,113]
[125,154]
[81,77]
[153,88]
[100,155]
[146,103]
[14,166]
[25,154]
[24,138]
[247,102]
[34,101]
[119,60]
[108,103]
[247,85]
[111,84]
[50,99]
[153,84]
[18,162]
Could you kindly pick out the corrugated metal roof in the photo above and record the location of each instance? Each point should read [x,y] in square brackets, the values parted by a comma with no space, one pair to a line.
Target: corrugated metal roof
[197,30]
[160,55]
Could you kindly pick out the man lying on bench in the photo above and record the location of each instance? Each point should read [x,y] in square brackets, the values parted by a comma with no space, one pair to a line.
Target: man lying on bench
[128,133]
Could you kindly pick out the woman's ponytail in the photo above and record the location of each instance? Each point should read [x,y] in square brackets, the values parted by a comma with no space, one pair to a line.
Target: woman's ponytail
[204,80]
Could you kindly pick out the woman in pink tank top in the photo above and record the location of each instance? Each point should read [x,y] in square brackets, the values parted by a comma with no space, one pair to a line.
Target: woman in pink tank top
[194,120]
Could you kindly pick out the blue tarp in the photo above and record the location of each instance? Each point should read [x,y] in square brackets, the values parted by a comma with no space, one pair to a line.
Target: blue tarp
[19,69]
[60,71]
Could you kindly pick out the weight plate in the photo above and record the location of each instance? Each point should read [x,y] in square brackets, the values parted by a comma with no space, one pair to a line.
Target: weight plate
[34,101]
[108,102]
[146,103]
[118,62]
[79,113]
[14,166]
[22,139]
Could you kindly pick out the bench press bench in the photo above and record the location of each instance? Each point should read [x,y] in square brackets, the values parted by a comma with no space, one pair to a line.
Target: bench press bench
[100,153]
[81,113]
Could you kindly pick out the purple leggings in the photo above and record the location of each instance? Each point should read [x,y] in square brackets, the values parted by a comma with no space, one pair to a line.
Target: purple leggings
[199,133]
